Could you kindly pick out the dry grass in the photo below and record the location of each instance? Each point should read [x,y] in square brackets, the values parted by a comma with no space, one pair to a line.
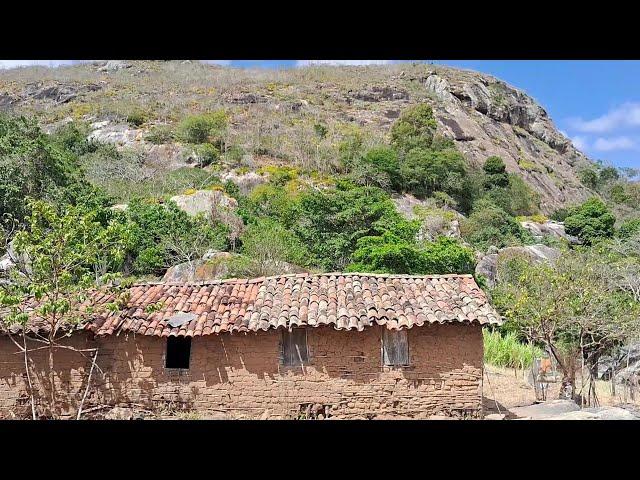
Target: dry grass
[509,387]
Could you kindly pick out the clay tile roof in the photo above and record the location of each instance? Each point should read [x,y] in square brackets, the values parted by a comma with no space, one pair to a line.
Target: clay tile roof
[350,301]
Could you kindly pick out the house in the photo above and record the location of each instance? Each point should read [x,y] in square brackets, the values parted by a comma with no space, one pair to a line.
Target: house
[304,345]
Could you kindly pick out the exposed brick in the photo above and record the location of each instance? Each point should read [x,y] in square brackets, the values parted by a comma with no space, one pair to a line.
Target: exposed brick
[241,374]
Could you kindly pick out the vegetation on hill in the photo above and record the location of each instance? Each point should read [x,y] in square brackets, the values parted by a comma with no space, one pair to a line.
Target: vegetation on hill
[326,200]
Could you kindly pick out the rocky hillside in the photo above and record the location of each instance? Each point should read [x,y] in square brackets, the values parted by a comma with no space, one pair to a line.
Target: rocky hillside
[300,116]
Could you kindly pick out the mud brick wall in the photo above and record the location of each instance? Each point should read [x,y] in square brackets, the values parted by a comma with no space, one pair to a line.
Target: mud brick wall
[241,375]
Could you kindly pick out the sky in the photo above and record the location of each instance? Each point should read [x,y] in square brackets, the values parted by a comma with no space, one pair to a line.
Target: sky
[594,103]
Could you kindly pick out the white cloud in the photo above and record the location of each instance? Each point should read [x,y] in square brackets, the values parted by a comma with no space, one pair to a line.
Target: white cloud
[626,115]
[306,63]
[30,63]
[615,143]
[580,142]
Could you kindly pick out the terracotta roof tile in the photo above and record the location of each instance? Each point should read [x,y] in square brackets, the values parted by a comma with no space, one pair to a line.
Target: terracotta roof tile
[346,301]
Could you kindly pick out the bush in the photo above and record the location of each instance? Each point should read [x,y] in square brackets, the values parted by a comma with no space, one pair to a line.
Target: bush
[203,128]
[268,244]
[629,228]
[589,178]
[160,134]
[164,235]
[330,222]
[516,199]
[495,173]
[414,129]
[390,254]
[489,225]
[590,222]
[507,350]
[425,171]
[560,214]
[234,154]
[137,117]
[207,154]
[378,167]
[34,164]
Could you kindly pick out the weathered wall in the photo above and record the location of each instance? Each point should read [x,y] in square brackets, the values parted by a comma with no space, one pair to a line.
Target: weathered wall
[241,376]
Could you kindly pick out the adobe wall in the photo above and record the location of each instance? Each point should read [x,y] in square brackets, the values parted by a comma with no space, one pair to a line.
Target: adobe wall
[240,375]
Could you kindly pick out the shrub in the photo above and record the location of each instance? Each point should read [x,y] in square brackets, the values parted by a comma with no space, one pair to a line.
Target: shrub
[164,235]
[207,154]
[495,173]
[590,221]
[390,254]
[160,134]
[629,228]
[507,350]
[320,130]
[137,117]
[234,154]
[560,214]
[425,171]
[489,225]
[268,244]
[203,128]
[33,164]
[378,167]
[589,178]
[414,129]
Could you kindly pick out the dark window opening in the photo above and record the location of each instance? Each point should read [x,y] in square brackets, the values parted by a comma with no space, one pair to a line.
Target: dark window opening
[294,347]
[178,352]
[395,348]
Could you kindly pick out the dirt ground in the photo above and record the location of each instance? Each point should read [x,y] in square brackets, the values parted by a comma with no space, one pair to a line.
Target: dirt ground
[505,388]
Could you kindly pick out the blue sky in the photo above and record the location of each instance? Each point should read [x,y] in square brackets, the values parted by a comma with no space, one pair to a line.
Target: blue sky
[595,103]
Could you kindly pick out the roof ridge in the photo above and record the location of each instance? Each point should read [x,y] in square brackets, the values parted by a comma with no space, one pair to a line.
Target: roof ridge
[306,275]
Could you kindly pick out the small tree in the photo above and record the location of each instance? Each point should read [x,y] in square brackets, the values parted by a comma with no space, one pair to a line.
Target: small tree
[591,221]
[573,307]
[68,252]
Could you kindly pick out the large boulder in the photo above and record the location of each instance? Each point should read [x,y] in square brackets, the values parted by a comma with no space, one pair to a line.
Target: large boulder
[114,65]
[487,266]
[214,266]
[246,181]
[549,228]
[207,202]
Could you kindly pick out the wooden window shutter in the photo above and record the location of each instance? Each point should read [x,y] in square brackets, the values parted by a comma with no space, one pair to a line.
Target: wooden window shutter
[294,347]
[395,348]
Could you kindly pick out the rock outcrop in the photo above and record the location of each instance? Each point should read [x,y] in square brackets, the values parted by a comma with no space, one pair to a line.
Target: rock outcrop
[205,202]
[549,228]
[487,266]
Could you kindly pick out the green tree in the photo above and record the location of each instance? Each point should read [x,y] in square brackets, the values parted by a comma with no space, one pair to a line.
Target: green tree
[390,254]
[269,245]
[67,252]
[415,128]
[163,235]
[206,127]
[496,173]
[329,222]
[574,307]
[32,164]
[590,221]
[489,225]
[424,171]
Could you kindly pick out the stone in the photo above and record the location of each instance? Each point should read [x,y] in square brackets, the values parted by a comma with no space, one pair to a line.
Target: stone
[114,65]
[544,410]
[487,265]
[205,202]
[550,228]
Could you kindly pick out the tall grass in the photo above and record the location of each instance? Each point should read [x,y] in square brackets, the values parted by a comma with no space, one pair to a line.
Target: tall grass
[507,351]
